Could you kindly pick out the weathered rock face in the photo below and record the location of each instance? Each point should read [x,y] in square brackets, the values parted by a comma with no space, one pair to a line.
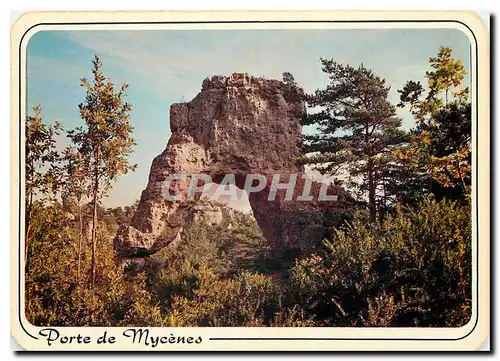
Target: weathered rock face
[211,213]
[236,125]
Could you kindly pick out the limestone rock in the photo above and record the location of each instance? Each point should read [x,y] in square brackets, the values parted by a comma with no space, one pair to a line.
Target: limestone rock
[211,212]
[236,125]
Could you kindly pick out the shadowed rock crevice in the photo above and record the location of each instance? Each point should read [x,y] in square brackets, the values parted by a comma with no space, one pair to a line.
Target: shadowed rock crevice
[236,125]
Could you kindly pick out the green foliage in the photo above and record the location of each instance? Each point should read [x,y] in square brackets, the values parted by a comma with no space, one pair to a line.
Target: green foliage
[447,73]
[54,295]
[42,175]
[411,270]
[227,248]
[49,273]
[246,300]
[104,144]
[74,177]
[41,155]
[288,79]
[439,153]
[192,283]
[357,127]
[124,215]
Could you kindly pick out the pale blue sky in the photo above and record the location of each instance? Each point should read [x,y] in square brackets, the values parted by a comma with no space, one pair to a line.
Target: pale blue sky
[168,66]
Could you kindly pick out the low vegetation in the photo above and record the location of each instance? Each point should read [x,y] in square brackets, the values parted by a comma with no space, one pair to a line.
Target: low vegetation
[411,270]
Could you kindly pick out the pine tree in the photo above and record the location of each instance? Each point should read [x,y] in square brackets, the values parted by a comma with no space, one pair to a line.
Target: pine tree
[104,142]
[357,127]
[288,78]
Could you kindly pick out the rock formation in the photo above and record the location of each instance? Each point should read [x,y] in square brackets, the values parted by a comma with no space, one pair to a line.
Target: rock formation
[236,125]
[211,212]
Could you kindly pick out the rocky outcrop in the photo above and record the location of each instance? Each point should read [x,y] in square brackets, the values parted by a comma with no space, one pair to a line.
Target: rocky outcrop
[211,213]
[236,125]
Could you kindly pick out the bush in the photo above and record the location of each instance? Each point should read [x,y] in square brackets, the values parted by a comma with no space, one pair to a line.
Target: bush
[412,270]
[55,296]
[246,300]
[50,272]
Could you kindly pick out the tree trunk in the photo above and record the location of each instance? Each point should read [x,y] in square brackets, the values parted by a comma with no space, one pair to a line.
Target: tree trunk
[27,219]
[385,194]
[464,186]
[371,180]
[79,241]
[28,215]
[94,231]
[371,192]
[27,232]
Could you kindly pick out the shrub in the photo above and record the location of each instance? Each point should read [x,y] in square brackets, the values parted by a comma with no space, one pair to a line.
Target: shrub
[246,300]
[50,272]
[54,294]
[412,270]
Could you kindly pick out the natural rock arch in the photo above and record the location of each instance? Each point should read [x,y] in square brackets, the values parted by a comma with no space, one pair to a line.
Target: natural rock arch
[236,125]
